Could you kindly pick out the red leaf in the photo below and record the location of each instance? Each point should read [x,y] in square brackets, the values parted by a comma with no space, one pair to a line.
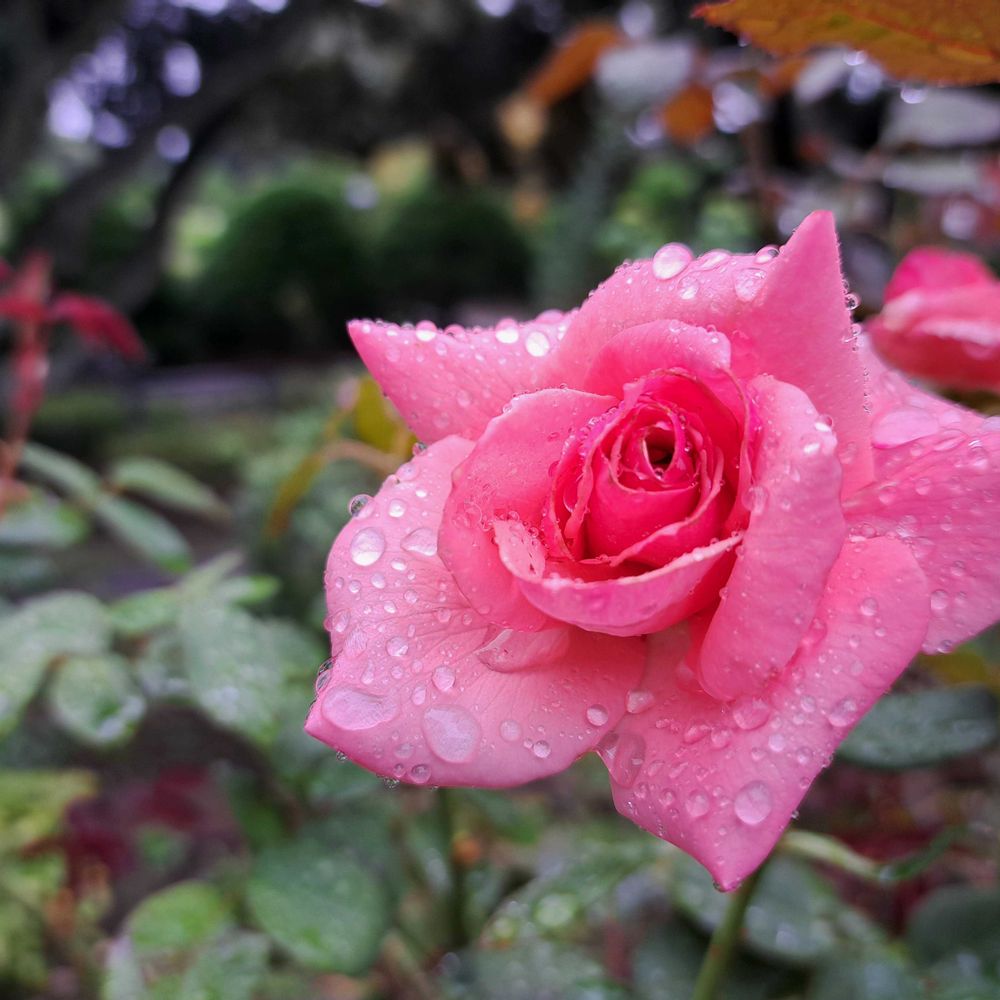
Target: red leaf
[97,322]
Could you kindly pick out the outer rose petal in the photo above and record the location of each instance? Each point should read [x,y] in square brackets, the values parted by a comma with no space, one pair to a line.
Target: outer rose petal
[508,472]
[927,268]
[938,469]
[785,318]
[722,780]
[408,696]
[950,336]
[795,533]
[453,382]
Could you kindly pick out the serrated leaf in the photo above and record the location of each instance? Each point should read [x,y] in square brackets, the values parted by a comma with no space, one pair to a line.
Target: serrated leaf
[165,484]
[233,668]
[43,522]
[921,728]
[144,531]
[63,623]
[61,471]
[95,699]
[319,905]
[938,41]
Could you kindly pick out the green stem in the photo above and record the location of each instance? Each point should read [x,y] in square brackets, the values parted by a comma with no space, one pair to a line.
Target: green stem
[725,937]
[456,902]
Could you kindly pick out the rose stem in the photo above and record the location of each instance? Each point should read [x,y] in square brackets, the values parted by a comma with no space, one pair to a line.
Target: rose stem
[724,939]
[446,807]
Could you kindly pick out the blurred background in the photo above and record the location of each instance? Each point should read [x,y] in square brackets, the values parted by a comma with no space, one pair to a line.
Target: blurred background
[240,177]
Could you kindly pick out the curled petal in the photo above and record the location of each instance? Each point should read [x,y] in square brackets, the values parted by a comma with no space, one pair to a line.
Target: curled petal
[722,779]
[794,535]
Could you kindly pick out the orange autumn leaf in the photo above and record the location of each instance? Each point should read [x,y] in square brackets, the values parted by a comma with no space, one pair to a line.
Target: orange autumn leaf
[687,116]
[937,41]
[572,64]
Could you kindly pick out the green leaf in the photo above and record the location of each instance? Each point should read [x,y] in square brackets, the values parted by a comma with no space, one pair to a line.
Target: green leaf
[532,970]
[923,728]
[879,976]
[145,612]
[32,803]
[60,470]
[227,969]
[43,522]
[956,920]
[165,484]
[144,531]
[95,699]
[795,917]
[182,917]
[253,589]
[233,668]
[319,905]
[63,623]
[665,966]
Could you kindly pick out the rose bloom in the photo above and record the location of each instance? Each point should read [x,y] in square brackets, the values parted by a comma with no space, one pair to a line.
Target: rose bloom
[941,320]
[693,526]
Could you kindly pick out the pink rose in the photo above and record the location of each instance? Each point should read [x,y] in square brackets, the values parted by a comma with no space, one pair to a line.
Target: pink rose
[941,320]
[692,526]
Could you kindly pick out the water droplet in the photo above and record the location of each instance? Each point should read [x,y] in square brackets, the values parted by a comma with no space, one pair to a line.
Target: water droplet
[939,600]
[367,546]
[750,713]
[451,733]
[670,260]
[697,805]
[443,678]
[420,774]
[323,675]
[537,344]
[541,749]
[752,804]
[869,607]
[597,715]
[766,254]
[422,541]
[397,508]
[353,709]
[358,504]
[397,646]
[638,701]
[507,334]
[843,713]
[748,284]
[510,730]
[756,499]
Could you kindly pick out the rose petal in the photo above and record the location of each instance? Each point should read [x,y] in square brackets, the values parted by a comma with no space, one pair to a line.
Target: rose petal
[628,605]
[508,472]
[722,780]
[412,695]
[455,381]
[928,268]
[795,532]
[795,325]
[938,468]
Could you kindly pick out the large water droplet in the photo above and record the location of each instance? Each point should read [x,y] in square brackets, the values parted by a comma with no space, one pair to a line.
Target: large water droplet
[510,730]
[353,709]
[367,546]
[597,715]
[422,541]
[843,713]
[638,701]
[358,504]
[451,733]
[748,283]
[670,260]
[537,344]
[697,805]
[443,678]
[751,713]
[752,804]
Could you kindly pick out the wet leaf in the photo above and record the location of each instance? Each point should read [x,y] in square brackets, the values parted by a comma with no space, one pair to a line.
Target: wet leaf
[144,531]
[320,905]
[61,471]
[95,699]
[43,522]
[938,41]
[165,484]
[921,728]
